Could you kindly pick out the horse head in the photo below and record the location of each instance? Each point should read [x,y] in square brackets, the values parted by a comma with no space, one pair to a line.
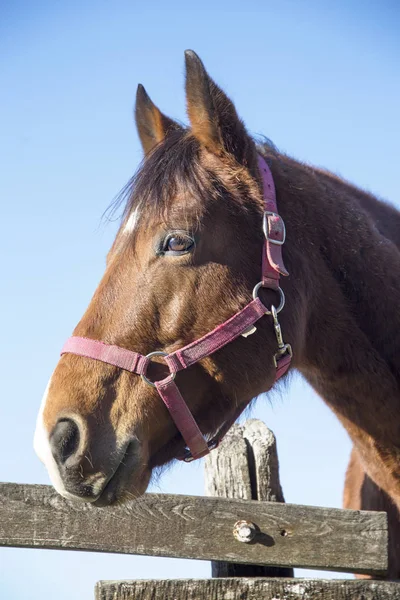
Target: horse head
[186,258]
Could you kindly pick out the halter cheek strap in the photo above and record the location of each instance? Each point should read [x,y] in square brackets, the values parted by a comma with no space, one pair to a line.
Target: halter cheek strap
[242,323]
[274,231]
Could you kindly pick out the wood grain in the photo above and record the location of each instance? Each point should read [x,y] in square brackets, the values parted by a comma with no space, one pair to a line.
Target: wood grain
[35,516]
[247,589]
[245,466]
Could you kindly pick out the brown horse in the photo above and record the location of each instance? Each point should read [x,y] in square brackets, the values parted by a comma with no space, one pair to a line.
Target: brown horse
[185,259]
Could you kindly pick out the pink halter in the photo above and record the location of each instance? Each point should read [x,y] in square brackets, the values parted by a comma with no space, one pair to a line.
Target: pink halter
[242,323]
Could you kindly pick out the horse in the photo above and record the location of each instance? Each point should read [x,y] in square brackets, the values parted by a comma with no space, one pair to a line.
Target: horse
[194,236]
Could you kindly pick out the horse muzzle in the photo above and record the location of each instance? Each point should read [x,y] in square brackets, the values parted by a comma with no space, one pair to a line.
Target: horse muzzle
[83,469]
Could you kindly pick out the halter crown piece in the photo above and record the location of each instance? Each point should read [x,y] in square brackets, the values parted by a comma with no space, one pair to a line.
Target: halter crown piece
[242,323]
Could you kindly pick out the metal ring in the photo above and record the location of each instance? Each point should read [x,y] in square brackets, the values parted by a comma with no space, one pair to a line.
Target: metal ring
[280,290]
[148,356]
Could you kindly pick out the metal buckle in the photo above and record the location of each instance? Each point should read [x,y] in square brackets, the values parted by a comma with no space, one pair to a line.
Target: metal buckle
[188,458]
[286,349]
[143,375]
[211,444]
[282,297]
[267,214]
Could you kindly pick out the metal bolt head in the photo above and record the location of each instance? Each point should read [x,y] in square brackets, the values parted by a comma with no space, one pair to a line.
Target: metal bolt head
[244,531]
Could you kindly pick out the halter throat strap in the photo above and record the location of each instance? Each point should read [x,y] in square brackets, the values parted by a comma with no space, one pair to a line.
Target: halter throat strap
[242,323]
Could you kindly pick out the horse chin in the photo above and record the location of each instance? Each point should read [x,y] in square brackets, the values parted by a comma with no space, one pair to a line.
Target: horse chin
[127,483]
[116,495]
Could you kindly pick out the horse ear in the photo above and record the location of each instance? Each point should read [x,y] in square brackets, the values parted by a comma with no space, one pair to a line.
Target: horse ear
[151,123]
[213,117]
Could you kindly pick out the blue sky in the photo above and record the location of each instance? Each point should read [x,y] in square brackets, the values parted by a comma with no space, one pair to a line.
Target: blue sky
[319,78]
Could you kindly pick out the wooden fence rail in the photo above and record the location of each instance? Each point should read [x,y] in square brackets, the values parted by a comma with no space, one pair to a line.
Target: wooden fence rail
[35,516]
[247,589]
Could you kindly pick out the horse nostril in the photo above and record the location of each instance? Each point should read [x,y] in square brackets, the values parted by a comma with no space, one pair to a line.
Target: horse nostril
[64,440]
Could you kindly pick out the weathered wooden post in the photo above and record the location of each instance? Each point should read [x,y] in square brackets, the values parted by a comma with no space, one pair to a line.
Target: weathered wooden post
[246,467]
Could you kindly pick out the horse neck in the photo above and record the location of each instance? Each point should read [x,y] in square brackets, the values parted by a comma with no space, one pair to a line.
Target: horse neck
[345,279]
[342,307]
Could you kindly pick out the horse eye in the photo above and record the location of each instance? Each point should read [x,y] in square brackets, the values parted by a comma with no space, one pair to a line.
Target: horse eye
[178,243]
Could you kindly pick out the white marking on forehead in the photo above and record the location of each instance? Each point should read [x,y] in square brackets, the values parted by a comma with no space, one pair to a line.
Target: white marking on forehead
[132,221]
[41,445]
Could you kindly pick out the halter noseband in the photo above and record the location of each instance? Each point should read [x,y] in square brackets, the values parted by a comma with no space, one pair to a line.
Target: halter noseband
[242,323]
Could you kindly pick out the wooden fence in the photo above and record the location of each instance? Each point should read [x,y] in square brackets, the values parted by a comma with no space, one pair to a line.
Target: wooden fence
[254,545]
